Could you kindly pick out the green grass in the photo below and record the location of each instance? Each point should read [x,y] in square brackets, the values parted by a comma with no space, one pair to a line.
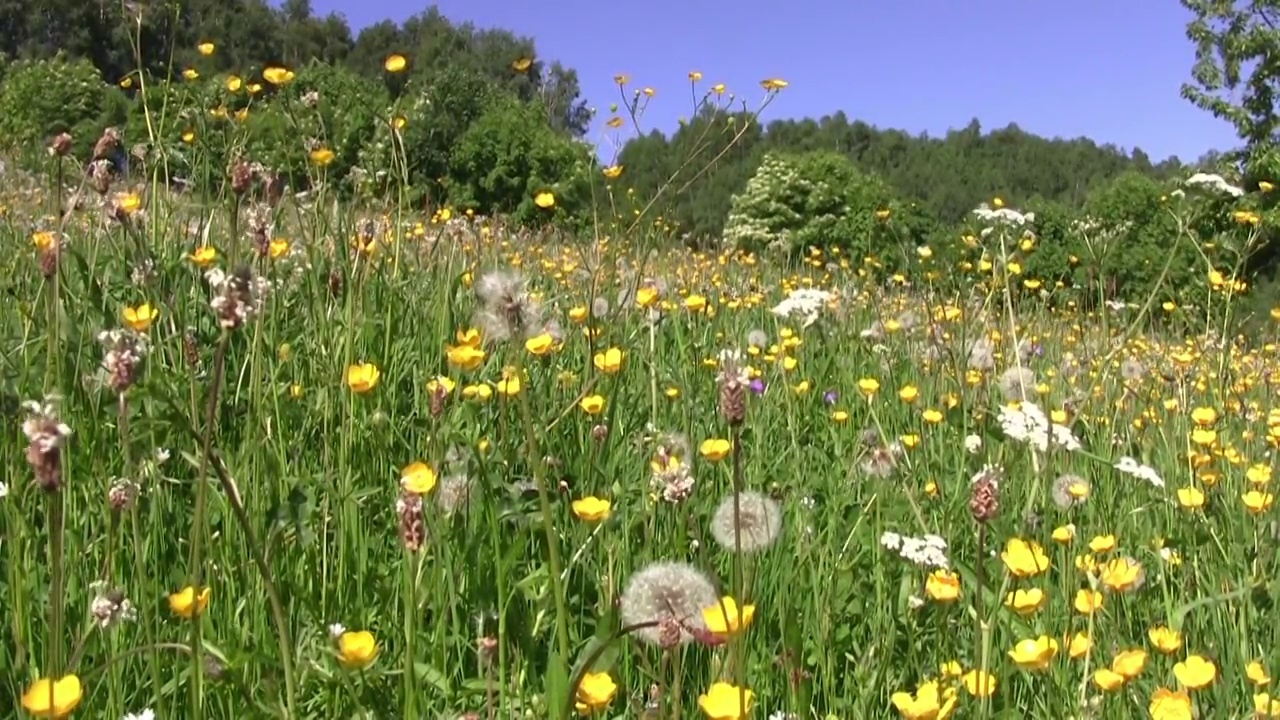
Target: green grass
[281,486]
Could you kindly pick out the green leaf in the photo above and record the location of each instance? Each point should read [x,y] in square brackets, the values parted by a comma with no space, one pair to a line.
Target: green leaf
[557,687]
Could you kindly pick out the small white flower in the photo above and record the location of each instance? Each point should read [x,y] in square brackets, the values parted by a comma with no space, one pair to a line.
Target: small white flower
[929,551]
[972,444]
[336,630]
[1129,466]
[147,714]
[1029,424]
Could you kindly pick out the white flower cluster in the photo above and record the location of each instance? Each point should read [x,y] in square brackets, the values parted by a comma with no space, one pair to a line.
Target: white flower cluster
[929,551]
[1129,466]
[1215,182]
[1002,216]
[806,303]
[1029,424]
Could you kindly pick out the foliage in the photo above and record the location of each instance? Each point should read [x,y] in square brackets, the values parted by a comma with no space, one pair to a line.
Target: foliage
[41,98]
[443,442]
[948,176]
[769,210]
[1232,39]
[325,106]
[508,156]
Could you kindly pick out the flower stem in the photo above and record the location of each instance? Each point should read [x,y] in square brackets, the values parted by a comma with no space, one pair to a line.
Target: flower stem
[548,525]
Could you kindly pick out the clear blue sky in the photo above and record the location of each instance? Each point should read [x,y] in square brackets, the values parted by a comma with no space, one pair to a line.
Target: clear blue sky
[1106,69]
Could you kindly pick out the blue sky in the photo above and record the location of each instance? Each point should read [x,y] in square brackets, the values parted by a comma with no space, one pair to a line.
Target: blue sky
[1106,69]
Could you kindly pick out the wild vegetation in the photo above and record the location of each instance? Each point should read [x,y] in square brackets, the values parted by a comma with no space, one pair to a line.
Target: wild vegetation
[344,380]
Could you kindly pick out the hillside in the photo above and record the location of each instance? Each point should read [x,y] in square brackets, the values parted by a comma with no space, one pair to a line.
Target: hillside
[948,175]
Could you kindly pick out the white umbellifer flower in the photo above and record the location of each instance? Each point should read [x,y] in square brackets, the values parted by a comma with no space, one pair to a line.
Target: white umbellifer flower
[1215,182]
[929,551]
[1129,466]
[806,303]
[1002,216]
[1028,424]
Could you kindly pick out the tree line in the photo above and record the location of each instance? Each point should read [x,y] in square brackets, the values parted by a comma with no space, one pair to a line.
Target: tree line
[947,175]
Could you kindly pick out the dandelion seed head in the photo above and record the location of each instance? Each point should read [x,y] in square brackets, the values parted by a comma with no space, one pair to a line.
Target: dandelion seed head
[756,522]
[670,594]
[453,493]
[507,310]
[1017,383]
[1069,491]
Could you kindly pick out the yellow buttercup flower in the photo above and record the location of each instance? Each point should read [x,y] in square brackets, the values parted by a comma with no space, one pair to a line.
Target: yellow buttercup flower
[140,318]
[418,478]
[715,449]
[357,650]
[726,618]
[594,693]
[1024,558]
[610,361]
[363,377]
[187,603]
[724,701]
[395,63]
[592,508]
[48,698]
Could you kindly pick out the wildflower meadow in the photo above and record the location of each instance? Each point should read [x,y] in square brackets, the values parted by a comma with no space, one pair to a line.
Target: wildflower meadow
[290,436]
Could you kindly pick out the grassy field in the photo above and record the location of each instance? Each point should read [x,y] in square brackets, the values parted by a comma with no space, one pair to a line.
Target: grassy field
[312,461]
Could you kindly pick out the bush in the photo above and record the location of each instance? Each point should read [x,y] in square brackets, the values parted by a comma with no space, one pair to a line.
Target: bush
[436,112]
[812,200]
[325,105]
[509,155]
[41,98]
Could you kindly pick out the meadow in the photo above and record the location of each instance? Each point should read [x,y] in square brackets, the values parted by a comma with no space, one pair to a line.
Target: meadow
[292,455]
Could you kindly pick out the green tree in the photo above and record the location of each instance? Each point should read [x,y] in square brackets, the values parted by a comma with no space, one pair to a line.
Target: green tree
[508,155]
[766,214]
[1237,64]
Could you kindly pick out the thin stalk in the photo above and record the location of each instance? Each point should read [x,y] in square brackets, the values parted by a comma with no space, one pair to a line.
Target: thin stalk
[57,524]
[736,647]
[548,526]
[198,520]
[410,632]
[257,553]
